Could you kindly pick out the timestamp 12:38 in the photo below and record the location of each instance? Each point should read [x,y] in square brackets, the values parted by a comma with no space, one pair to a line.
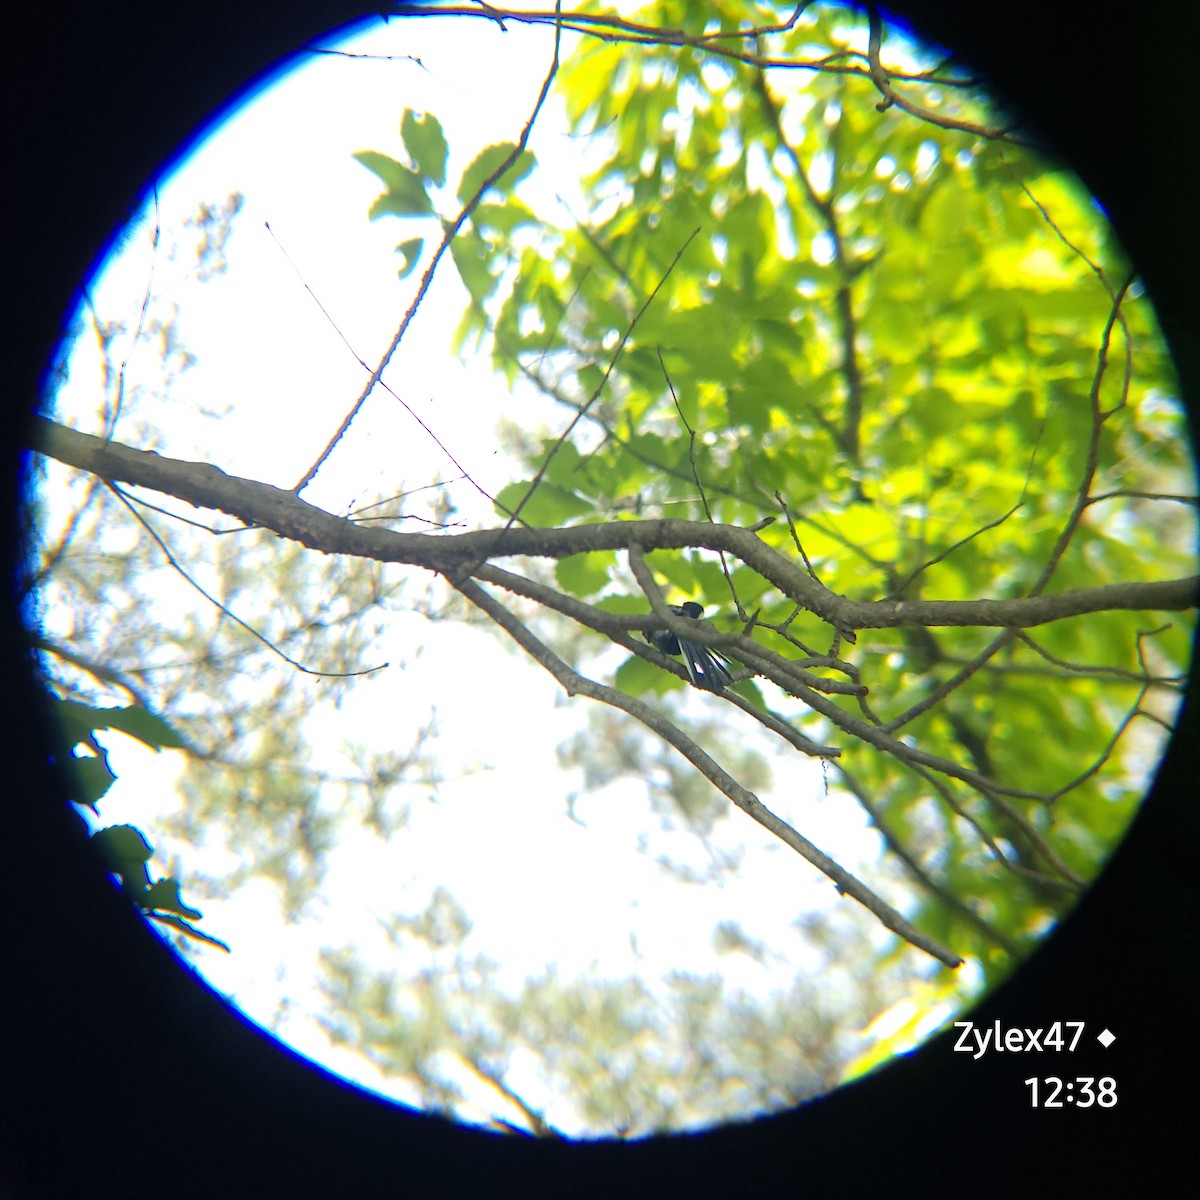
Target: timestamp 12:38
[1082,1092]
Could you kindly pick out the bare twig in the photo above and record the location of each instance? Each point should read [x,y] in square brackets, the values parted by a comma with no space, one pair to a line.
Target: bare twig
[902,586]
[437,441]
[943,689]
[537,1122]
[1126,493]
[1118,674]
[112,415]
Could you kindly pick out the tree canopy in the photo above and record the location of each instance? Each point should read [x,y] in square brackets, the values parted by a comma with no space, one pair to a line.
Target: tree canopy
[828,345]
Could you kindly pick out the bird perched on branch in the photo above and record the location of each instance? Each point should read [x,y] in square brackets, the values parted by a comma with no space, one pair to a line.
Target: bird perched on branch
[706,668]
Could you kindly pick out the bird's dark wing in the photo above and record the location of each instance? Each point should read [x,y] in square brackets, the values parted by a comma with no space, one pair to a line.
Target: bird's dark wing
[706,668]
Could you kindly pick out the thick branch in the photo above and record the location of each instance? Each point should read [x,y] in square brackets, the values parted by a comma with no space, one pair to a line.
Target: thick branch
[284,513]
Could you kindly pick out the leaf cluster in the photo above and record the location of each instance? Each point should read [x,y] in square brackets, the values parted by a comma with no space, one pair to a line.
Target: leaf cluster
[924,353]
[124,848]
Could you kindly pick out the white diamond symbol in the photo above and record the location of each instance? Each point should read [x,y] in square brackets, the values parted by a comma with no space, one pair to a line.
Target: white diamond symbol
[1106,1039]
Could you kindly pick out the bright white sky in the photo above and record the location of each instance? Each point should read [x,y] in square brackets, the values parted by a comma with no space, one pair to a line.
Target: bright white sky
[540,887]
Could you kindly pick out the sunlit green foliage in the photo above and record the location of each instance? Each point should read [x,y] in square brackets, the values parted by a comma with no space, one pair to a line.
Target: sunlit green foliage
[926,349]
[889,327]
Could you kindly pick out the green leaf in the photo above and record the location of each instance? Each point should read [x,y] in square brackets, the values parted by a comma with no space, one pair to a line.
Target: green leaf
[147,728]
[125,852]
[679,569]
[81,720]
[504,218]
[122,844]
[426,144]
[550,505]
[625,604]
[487,162]
[750,691]
[411,250]
[585,574]
[164,895]
[637,676]
[388,169]
[93,778]
[473,266]
[409,200]
[405,195]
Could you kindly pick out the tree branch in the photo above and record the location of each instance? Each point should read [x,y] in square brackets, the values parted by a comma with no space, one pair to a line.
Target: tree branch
[287,515]
[882,79]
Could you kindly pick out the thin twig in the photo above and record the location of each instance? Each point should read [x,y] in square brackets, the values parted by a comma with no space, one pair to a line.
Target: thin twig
[917,871]
[1093,450]
[696,477]
[847,435]
[437,441]
[174,562]
[607,28]
[882,78]
[612,362]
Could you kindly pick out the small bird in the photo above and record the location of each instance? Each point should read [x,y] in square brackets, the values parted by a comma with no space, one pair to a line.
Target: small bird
[706,668]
